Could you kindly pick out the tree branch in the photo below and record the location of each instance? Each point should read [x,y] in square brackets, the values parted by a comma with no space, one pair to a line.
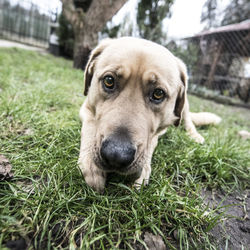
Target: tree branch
[100,12]
[69,10]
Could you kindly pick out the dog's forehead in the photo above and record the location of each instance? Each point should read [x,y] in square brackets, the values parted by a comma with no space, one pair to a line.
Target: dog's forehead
[137,56]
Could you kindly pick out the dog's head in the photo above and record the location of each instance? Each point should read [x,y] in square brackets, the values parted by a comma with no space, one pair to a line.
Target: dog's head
[135,89]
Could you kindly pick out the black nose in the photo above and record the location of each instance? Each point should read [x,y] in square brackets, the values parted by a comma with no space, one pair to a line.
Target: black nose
[117,152]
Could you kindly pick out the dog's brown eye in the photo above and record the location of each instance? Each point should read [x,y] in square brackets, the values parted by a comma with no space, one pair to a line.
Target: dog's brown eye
[158,95]
[109,82]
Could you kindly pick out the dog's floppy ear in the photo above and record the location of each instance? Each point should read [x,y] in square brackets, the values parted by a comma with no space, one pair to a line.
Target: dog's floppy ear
[181,97]
[89,70]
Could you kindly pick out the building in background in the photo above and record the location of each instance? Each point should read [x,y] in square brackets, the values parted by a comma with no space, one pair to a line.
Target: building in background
[223,63]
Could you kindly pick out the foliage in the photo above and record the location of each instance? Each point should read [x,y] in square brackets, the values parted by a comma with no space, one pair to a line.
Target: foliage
[208,14]
[150,16]
[48,204]
[127,27]
[236,12]
[188,52]
[112,31]
[65,37]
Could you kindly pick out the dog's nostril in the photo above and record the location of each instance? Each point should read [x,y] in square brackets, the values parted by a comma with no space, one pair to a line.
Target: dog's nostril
[117,154]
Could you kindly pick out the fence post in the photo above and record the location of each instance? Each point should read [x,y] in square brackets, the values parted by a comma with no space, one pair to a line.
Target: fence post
[217,54]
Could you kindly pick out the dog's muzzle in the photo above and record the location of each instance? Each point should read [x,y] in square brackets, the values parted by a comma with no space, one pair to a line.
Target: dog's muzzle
[117,151]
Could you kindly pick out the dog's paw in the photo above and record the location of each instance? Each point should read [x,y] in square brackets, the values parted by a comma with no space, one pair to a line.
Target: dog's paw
[95,178]
[97,183]
[137,185]
[197,137]
[141,182]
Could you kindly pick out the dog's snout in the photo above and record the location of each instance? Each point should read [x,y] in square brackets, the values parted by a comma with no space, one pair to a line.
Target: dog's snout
[117,152]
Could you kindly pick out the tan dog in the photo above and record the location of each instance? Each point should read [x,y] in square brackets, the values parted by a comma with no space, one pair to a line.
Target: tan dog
[135,89]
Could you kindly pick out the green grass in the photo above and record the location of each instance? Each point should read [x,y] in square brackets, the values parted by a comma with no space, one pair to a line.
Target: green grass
[48,203]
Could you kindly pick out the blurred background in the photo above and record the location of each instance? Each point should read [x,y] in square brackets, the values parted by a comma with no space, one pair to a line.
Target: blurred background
[212,37]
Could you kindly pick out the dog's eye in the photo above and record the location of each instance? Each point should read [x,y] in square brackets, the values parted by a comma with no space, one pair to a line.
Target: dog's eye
[109,82]
[157,96]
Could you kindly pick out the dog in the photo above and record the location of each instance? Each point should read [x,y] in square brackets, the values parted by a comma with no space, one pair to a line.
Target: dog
[135,90]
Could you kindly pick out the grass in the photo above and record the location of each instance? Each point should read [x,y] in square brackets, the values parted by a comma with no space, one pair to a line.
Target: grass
[48,204]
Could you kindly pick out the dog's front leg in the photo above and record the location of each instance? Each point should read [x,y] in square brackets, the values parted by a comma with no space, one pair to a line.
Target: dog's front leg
[146,170]
[144,177]
[93,175]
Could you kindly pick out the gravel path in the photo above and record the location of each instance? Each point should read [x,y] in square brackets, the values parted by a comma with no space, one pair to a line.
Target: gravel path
[11,44]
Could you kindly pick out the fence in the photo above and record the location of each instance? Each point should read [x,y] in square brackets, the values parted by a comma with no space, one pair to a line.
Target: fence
[25,22]
[219,63]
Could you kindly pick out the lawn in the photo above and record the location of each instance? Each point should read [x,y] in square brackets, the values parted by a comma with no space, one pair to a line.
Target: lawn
[47,205]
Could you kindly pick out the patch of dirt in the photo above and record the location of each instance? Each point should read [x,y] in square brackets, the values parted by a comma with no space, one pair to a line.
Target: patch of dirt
[11,44]
[5,169]
[16,244]
[234,231]
[15,127]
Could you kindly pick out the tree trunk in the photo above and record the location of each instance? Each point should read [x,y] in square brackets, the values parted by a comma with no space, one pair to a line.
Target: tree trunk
[86,25]
[85,40]
[81,54]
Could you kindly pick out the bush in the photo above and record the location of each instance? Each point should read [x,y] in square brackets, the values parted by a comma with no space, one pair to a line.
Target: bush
[65,37]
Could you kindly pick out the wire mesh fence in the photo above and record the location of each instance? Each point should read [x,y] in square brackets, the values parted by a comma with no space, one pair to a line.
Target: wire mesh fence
[25,22]
[219,62]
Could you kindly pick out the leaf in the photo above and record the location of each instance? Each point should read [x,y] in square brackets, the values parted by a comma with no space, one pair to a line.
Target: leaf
[5,169]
